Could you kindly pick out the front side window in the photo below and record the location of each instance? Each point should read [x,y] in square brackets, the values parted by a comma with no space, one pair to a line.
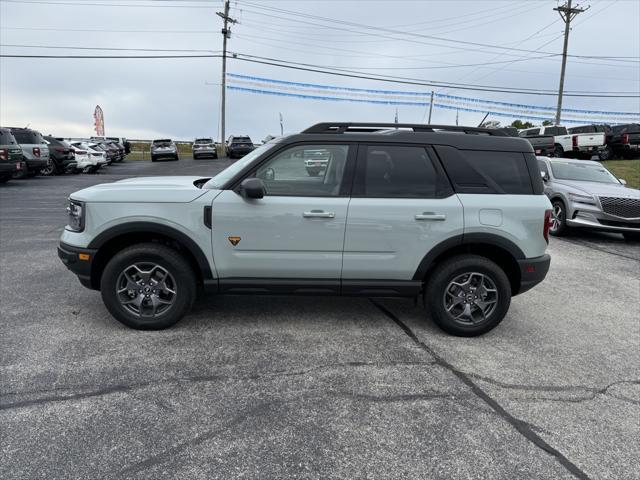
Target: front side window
[399,172]
[305,170]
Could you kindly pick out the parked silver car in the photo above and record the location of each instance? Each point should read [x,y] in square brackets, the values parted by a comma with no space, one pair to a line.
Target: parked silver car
[585,194]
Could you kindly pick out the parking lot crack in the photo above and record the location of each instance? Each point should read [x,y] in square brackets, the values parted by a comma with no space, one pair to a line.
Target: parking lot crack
[521,426]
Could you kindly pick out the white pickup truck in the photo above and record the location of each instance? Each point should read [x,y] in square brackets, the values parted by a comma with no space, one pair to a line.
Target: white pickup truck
[578,145]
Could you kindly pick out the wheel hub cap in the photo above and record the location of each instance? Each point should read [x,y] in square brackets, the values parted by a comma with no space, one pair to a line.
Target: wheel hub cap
[470,298]
[146,289]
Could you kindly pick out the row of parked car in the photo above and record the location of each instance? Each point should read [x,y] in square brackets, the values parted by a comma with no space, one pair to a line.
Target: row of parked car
[583,142]
[26,153]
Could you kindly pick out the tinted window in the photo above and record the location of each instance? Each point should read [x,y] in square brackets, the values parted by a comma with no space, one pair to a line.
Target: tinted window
[167,140]
[530,133]
[393,171]
[203,140]
[305,171]
[27,137]
[555,131]
[474,171]
[240,140]
[6,138]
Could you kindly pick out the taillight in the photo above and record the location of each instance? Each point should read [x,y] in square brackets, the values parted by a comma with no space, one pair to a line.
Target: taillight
[574,141]
[547,225]
[4,154]
[36,151]
[59,149]
[625,138]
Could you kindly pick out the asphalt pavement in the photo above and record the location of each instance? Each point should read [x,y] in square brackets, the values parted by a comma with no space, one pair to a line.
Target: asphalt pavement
[311,387]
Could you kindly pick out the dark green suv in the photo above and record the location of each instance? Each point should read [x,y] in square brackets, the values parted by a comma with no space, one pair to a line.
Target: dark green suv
[10,155]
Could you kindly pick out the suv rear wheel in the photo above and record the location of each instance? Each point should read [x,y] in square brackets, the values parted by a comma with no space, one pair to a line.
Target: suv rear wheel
[468,295]
[148,286]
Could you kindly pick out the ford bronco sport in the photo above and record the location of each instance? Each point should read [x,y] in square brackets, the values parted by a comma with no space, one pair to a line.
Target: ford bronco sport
[454,214]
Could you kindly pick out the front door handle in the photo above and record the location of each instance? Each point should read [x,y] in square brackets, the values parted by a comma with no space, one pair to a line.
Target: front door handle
[430,216]
[318,214]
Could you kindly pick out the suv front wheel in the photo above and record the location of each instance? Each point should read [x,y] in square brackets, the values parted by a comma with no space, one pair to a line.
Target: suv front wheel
[148,286]
[468,295]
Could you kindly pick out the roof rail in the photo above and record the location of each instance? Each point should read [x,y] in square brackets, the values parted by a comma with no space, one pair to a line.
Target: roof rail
[342,127]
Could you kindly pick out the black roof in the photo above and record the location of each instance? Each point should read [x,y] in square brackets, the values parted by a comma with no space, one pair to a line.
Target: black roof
[466,138]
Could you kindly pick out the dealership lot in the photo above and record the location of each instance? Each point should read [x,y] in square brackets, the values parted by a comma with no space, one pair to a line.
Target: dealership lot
[311,387]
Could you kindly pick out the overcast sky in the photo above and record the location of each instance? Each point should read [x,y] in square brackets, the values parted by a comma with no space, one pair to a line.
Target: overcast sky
[180,98]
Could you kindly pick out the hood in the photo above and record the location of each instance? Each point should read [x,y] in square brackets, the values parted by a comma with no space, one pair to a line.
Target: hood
[602,189]
[143,190]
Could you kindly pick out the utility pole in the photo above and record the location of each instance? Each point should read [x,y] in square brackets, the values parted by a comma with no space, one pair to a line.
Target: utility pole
[430,108]
[226,33]
[567,13]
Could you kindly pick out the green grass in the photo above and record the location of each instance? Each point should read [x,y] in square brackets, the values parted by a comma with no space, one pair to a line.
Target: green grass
[627,169]
[141,150]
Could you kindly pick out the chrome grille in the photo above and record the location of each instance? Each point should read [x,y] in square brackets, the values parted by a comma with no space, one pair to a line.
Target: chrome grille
[621,207]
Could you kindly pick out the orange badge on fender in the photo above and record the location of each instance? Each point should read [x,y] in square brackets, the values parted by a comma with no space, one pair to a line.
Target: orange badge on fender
[234,240]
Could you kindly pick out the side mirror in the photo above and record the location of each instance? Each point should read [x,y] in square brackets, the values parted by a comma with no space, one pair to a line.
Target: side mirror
[252,188]
[545,176]
[622,181]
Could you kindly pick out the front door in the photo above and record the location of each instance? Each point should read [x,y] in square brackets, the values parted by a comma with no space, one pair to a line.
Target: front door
[295,234]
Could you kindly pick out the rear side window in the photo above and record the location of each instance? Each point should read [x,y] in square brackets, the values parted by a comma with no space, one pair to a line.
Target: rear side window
[6,138]
[555,131]
[390,171]
[475,171]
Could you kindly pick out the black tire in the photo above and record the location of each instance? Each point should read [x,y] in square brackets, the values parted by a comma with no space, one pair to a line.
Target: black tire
[153,159]
[605,154]
[5,178]
[558,151]
[313,172]
[50,170]
[438,298]
[184,285]
[559,226]
[195,157]
[176,158]
[632,236]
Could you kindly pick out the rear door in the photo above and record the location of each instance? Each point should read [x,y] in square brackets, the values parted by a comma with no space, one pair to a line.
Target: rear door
[296,232]
[401,207]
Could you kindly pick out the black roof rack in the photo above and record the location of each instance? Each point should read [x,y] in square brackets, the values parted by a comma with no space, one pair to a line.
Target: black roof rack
[416,127]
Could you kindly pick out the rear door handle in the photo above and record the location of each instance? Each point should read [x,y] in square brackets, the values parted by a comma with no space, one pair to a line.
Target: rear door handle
[430,216]
[318,214]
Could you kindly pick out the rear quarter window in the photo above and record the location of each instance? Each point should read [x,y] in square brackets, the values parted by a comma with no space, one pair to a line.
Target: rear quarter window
[479,171]
[6,138]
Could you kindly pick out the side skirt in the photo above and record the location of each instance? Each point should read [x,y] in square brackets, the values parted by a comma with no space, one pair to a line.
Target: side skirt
[296,286]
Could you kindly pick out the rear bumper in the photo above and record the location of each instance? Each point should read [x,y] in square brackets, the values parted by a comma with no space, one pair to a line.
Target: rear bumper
[533,271]
[9,167]
[70,256]
[36,163]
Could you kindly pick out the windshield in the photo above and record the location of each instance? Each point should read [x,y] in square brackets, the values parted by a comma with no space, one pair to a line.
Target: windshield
[157,142]
[228,173]
[27,137]
[583,172]
[241,140]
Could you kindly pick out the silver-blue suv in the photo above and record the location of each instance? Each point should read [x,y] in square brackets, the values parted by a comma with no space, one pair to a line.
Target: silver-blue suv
[454,214]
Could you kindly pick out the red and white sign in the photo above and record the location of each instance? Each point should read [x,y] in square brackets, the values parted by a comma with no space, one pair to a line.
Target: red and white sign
[98,121]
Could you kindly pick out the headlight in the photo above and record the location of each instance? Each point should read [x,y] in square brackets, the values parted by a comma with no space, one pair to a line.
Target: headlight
[586,199]
[76,216]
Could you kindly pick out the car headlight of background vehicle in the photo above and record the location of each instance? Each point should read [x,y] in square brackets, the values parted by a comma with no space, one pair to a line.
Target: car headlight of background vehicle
[578,198]
[76,212]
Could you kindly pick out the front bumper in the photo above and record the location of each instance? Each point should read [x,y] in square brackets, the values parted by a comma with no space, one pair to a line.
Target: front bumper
[587,216]
[608,224]
[81,266]
[533,271]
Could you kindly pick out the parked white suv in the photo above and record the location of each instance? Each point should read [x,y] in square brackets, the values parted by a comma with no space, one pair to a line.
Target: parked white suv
[399,210]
